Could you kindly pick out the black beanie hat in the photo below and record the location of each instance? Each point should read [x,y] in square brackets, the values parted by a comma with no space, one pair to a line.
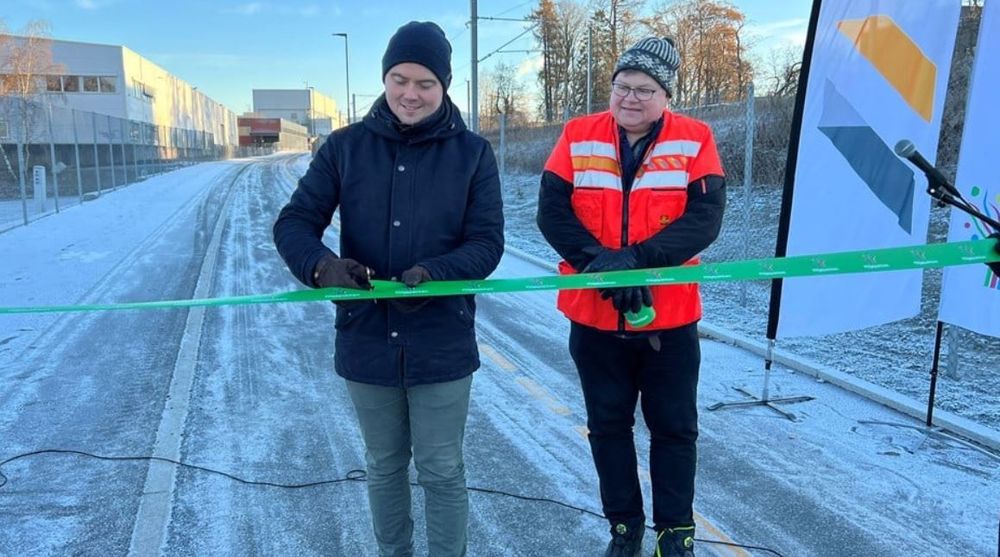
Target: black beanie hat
[420,42]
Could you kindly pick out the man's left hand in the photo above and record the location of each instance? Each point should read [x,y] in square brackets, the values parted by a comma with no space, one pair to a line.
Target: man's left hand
[412,277]
[415,275]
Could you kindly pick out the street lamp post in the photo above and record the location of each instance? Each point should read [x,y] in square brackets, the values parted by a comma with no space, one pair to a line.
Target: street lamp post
[347,76]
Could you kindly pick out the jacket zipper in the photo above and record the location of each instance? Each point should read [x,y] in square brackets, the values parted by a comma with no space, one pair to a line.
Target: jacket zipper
[625,208]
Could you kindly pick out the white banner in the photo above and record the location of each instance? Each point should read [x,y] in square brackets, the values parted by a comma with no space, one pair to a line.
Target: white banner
[970,295]
[879,74]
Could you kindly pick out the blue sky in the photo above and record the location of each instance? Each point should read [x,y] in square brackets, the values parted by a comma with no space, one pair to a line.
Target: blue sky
[227,48]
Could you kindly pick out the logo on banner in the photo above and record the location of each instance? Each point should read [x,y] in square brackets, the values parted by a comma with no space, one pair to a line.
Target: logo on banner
[904,66]
[897,57]
[975,230]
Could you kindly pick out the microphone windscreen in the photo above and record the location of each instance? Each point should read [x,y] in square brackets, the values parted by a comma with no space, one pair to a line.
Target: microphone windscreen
[905,148]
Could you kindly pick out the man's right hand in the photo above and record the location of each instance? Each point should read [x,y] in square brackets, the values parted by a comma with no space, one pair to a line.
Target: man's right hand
[338,271]
[613,260]
[628,299]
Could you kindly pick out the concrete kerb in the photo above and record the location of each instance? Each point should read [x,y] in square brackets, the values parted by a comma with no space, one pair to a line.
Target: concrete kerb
[945,420]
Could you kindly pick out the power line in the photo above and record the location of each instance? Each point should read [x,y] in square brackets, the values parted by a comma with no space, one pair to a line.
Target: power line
[519,6]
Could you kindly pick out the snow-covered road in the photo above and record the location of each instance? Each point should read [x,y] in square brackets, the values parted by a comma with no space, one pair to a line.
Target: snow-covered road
[250,390]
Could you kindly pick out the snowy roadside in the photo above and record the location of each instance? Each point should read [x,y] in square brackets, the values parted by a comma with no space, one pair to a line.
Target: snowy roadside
[896,356]
[851,476]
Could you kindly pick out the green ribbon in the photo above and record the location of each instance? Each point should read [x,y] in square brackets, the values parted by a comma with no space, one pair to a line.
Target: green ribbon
[866,261]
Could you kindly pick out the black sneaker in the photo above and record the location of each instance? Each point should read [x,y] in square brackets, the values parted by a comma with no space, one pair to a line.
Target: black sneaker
[675,542]
[626,539]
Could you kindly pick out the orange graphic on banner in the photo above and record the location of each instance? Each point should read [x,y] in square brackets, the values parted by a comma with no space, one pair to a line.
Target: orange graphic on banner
[896,57]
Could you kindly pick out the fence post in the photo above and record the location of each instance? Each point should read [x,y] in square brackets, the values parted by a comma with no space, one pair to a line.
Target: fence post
[20,179]
[52,153]
[503,145]
[76,152]
[111,154]
[159,152]
[121,124]
[97,156]
[135,157]
[747,185]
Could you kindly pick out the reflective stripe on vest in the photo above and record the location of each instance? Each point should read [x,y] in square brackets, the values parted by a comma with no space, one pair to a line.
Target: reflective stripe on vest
[658,197]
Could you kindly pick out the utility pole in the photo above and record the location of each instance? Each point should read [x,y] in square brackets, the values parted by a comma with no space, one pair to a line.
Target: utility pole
[347,76]
[590,64]
[545,72]
[474,32]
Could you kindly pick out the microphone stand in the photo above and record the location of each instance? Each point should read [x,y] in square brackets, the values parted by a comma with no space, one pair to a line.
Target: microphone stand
[947,194]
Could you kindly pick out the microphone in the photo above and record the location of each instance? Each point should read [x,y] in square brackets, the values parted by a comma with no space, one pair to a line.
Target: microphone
[907,150]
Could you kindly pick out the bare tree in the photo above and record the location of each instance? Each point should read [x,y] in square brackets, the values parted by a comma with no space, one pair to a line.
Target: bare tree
[710,35]
[26,73]
[503,91]
[781,71]
[624,21]
[561,27]
[602,62]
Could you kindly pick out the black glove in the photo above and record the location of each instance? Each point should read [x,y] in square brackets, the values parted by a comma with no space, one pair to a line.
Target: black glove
[412,277]
[623,299]
[415,275]
[628,299]
[613,260]
[345,273]
[995,266]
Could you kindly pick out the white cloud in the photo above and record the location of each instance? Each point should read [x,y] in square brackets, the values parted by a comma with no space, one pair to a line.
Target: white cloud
[779,34]
[530,66]
[93,5]
[252,8]
[777,27]
[257,8]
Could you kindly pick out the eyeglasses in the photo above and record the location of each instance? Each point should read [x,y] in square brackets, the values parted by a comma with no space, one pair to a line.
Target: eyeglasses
[641,93]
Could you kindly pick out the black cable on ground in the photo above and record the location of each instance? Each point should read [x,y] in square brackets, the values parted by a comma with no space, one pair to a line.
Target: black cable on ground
[356,475]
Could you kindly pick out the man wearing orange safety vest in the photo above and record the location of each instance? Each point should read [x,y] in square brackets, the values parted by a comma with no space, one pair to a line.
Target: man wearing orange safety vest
[637,187]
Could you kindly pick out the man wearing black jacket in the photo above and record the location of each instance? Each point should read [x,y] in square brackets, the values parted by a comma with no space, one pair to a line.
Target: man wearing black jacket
[419,199]
[636,187]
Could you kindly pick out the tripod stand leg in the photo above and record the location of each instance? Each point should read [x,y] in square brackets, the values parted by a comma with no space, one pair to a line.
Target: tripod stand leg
[768,402]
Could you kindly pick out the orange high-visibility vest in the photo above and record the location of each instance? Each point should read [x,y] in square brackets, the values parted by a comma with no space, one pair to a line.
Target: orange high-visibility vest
[587,156]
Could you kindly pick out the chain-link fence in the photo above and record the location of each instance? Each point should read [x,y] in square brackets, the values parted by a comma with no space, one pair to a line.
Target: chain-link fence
[54,157]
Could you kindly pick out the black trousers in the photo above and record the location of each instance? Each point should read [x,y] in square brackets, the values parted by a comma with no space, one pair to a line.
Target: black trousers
[613,372]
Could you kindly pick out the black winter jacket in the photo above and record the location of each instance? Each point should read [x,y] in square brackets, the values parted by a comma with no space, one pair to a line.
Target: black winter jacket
[427,194]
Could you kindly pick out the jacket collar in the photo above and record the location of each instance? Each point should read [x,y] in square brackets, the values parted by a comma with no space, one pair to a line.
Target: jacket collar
[445,122]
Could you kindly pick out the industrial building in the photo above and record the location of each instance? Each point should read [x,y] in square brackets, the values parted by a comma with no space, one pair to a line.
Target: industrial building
[317,112]
[117,82]
[132,112]
[276,133]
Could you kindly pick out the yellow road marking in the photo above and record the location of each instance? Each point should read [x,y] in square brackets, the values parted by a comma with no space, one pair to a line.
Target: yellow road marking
[539,393]
[497,358]
[718,534]
[703,524]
